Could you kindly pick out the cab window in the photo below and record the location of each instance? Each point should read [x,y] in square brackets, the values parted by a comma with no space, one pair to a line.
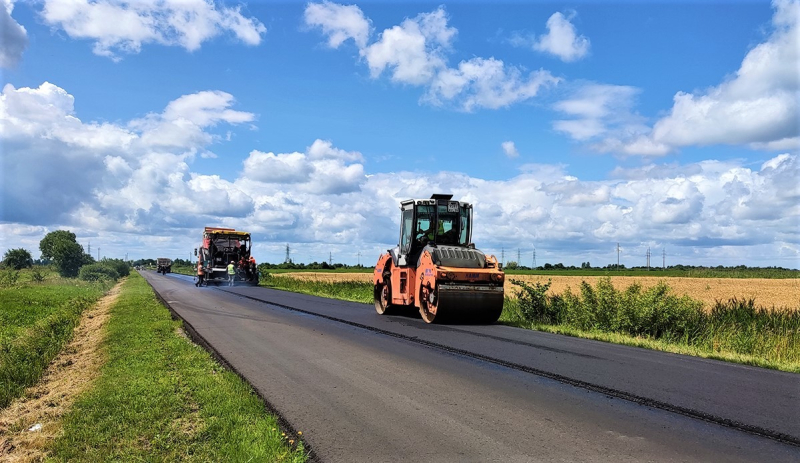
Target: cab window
[406,230]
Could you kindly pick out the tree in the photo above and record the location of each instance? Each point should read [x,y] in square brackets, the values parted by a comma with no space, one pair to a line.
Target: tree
[511,265]
[18,259]
[65,252]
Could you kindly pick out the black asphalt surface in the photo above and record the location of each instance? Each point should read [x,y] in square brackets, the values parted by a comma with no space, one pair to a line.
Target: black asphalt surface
[365,387]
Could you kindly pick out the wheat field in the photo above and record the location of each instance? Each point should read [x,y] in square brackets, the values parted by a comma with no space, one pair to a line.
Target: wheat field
[777,293]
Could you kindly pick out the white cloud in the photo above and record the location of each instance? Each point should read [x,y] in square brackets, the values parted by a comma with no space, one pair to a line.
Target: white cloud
[414,50]
[562,40]
[486,83]
[339,22]
[13,36]
[322,169]
[415,53]
[510,149]
[758,106]
[119,26]
[56,164]
[598,110]
[132,196]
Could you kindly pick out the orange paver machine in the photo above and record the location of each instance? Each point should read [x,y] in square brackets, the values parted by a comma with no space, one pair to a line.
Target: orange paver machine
[220,247]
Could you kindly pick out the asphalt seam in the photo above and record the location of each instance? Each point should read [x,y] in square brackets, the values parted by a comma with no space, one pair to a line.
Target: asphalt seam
[197,338]
[696,414]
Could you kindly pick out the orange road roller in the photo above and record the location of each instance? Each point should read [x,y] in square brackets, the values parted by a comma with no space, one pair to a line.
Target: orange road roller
[436,267]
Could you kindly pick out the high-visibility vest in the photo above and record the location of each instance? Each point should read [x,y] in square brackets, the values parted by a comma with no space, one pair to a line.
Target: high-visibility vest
[231,269]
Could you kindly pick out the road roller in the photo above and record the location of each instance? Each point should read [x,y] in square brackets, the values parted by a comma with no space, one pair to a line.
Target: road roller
[436,268]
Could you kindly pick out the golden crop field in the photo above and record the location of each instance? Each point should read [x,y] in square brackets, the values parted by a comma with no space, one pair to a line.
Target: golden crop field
[778,293]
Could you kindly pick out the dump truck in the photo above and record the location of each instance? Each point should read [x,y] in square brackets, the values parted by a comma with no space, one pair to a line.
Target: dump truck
[222,246]
[436,268]
[163,265]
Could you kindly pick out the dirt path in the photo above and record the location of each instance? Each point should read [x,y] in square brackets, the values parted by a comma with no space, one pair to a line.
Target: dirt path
[33,421]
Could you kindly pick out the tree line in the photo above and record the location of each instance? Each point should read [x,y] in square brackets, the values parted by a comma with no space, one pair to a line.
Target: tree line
[61,250]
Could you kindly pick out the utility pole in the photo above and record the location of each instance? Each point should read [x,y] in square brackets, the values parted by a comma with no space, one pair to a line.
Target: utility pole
[330,259]
[663,259]
[89,248]
[503,256]
[648,258]
[519,259]
[617,255]
[126,257]
[98,254]
[288,259]
[534,257]
[359,258]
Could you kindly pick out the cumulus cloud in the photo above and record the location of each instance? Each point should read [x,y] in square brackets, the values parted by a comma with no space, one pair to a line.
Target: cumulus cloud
[599,112]
[13,36]
[119,26]
[415,53]
[321,169]
[339,22]
[757,106]
[486,83]
[55,164]
[414,50]
[561,40]
[108,183]
[510,149]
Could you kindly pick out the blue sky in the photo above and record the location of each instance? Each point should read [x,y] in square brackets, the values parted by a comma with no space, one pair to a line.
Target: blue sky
[571,126]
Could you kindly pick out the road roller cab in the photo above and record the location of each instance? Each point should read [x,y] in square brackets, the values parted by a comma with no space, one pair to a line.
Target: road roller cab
[436,268]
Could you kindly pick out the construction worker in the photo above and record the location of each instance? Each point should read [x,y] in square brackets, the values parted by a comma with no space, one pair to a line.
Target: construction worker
[231,273]
[201,274]
[430,232]
[252,268]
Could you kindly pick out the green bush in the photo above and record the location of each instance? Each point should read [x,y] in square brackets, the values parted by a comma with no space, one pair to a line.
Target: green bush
[734,326]
[8,277]
[37,275]
[98,272]
[122,267]
[655,313]
[17,259]
[534,305]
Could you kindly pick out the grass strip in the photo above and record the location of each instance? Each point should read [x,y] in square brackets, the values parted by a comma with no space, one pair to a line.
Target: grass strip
[36,321]
[734,331]
[160,397]
[354,291]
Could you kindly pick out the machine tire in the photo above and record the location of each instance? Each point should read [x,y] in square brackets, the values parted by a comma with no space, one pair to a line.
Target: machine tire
[382,295]
[425,304]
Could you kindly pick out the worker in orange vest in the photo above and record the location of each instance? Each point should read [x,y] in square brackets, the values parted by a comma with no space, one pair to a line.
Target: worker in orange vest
[201,274]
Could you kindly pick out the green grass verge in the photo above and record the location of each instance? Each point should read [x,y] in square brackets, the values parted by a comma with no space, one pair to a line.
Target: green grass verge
[162,398]
[36,320]
[355,291]
[736,332]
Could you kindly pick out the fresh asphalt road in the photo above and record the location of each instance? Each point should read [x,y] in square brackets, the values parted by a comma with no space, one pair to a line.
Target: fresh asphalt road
[365,387]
